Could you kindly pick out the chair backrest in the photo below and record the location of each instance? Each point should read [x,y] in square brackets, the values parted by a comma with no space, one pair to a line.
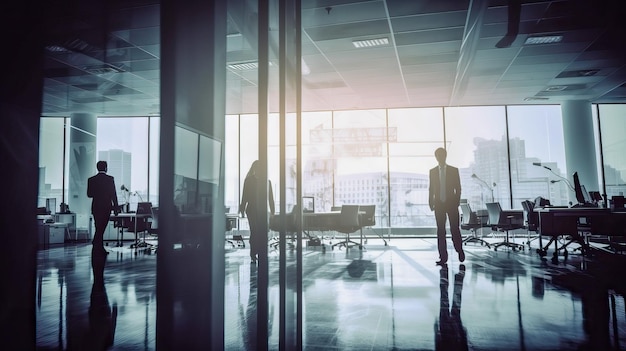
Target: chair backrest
[368,218]
[154,222]
[144,207]
[349,219]
[494,210]
[466,211]
[335,208]
[530,216]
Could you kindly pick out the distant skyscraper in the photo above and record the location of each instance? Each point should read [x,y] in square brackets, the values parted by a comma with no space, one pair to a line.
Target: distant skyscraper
[119,162]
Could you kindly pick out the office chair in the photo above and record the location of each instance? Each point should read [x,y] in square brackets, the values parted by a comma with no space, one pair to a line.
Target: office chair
[348,223]
[140,224]
[367,219]
[153,225]
[236,240]
[504,221]
[120,223]
[531,220]
[471,221]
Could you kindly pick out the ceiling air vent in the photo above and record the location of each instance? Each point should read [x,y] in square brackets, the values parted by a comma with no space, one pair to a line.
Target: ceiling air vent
[536,98]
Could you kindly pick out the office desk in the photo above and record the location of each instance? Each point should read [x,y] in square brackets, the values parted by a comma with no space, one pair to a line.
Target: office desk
[572,221]
[134,217]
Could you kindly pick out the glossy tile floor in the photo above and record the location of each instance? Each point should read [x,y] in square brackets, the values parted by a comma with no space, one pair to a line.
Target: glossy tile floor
[382,298]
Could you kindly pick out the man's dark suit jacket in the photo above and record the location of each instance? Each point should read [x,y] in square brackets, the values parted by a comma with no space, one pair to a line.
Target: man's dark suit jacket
[101,188]
[453,187]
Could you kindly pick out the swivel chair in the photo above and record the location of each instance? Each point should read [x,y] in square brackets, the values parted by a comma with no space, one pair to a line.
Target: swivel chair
[470,221]
[348,223]
[367,219]
[504,221]
[531,220]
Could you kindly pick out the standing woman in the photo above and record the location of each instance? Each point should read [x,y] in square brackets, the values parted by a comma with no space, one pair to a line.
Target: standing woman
[255,210]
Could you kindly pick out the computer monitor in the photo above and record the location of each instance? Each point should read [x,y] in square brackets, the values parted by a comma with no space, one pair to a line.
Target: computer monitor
[582,196]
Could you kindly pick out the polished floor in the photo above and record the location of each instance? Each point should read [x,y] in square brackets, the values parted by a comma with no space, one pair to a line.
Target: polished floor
[385,297]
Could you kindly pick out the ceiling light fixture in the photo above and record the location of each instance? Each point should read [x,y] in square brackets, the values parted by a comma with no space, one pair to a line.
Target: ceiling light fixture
[370,42]
[103,68]
[556,88]
[535,98]
[543,39]
[244,66]
[56,48]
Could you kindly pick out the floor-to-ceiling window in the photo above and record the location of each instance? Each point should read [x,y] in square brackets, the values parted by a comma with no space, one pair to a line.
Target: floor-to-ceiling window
[538,155]
[613,133]
[414,134]
[478,146]
[505,154]
[53,162]
[131,148]
[318,163]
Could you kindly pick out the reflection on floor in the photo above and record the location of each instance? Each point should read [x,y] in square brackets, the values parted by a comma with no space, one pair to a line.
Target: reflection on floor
[381,298]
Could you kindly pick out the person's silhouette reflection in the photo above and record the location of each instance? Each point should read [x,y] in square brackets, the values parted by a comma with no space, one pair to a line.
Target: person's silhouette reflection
[102,318]
[449,331]
[249,330]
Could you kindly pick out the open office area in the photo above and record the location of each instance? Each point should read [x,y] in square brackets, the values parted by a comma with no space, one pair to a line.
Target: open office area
[341,105]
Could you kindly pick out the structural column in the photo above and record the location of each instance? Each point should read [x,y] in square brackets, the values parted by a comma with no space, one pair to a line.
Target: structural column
[579,140]
[83,158]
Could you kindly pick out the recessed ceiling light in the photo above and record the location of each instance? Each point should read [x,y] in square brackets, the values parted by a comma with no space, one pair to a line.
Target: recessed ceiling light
[556,88]
[244,66]
[56,48]
[103,68]
[543,39]
[370,42]
[535,98]
[588,72]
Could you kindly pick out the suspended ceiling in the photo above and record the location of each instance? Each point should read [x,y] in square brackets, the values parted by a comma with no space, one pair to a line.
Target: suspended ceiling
[437,53]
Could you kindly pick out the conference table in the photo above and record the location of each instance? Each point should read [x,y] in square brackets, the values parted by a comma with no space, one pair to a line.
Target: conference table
[313,222]
[577,223]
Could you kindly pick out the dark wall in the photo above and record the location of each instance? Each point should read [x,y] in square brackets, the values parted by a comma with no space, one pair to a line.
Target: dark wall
[20,107]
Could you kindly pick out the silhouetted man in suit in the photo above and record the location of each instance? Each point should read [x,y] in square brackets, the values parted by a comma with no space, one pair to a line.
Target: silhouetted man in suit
[444,196]
[101,188]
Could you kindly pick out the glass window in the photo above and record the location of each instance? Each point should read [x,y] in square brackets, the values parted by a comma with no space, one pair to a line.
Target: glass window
[359,149]
[153,160]
[477,144]
[123,143]
[52,163]
[538,154]
[231,164]
[318,163]
[613,133]
[414,134]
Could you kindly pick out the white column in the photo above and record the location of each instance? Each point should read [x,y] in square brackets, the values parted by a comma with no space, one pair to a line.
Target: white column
[82,165]
[579,139]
